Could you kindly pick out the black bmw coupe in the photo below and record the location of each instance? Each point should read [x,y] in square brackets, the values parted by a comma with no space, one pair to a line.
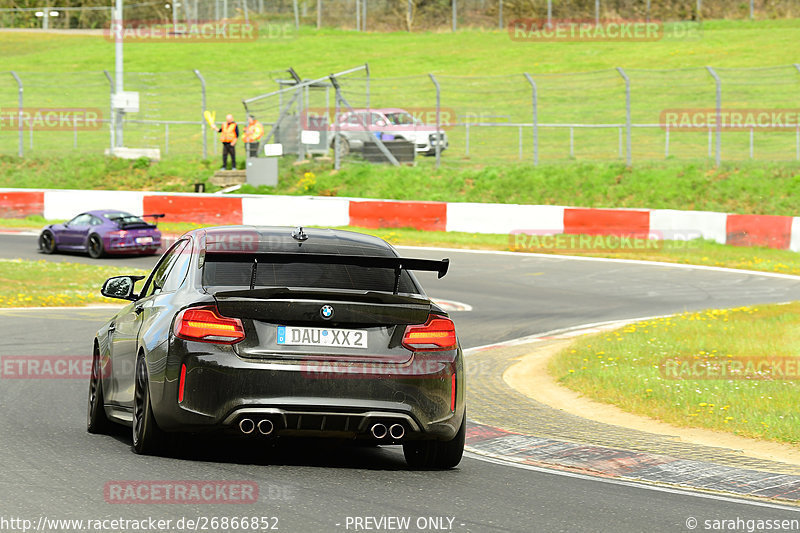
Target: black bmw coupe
[272,332]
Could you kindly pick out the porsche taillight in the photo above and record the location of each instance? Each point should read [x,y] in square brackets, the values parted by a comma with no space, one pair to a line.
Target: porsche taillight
[205,324]
[438,333]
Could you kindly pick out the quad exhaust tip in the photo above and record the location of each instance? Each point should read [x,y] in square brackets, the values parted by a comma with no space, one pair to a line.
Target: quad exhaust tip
[246,426]
[265,426]
[397,431]
[378,431]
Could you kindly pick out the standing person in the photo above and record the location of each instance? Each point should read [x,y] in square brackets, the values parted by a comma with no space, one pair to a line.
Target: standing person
[229,133]
[252,135]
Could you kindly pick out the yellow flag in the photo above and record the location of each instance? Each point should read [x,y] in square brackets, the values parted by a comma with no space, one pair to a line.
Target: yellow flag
[210,116]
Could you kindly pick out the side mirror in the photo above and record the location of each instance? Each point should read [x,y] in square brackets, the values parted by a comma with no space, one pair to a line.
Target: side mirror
[120,287]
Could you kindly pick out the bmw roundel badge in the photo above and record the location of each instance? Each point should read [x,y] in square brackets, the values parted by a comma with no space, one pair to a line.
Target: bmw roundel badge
[326,312]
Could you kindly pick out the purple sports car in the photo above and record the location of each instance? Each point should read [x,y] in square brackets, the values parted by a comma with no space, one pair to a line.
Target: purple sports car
[102,232]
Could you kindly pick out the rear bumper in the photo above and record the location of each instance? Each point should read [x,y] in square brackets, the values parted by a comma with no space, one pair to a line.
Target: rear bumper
[130,250]
[315,399]
[130,247]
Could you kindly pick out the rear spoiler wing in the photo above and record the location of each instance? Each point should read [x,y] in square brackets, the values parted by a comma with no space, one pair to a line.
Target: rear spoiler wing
[398,264]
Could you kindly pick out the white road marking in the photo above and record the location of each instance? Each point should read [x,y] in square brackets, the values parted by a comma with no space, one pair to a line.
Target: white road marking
[452,305]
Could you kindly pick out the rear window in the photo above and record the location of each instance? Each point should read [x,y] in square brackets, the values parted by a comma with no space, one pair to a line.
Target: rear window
[305,275]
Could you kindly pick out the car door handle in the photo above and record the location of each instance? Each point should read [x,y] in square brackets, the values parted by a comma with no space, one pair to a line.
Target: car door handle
[138,309]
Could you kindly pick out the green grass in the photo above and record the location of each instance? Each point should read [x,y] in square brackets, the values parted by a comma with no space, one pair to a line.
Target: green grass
[633,369]
[103,173]
[399,63]
[727,43]
[748,188]
[47,284]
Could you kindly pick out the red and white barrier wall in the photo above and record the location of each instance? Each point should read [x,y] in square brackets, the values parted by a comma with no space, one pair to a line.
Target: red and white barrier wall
[782,232]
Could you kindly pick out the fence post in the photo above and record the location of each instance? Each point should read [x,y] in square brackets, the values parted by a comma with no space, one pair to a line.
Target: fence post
[358,15]
[549,12]
[296,15]
[535,104]
[500,16]
[571,142]
[202,113]
[648,11]
[751,9]
[20,150]
[364,16]
[111,118]
[625,77]
[301,152]
[366,67]
[597,12]
[438,138]
[319,14]
[337,164]
[699,9]
[455,15]
[719,111]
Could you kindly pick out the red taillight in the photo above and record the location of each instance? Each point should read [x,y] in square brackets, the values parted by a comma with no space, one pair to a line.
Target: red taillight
[205,324]
[117,234]
[181,383]
[437,333]
[453,393]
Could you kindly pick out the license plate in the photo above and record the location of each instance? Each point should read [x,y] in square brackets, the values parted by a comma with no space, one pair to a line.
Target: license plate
[144,240]
[340,338]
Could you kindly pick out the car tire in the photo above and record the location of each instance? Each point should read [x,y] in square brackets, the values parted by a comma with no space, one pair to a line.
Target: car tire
[47,242]
[96,420]
[148,438]
[434,454]
[95,246]
[344,146]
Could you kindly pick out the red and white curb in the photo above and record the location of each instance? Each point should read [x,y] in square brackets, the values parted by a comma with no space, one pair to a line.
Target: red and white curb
[781,232]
